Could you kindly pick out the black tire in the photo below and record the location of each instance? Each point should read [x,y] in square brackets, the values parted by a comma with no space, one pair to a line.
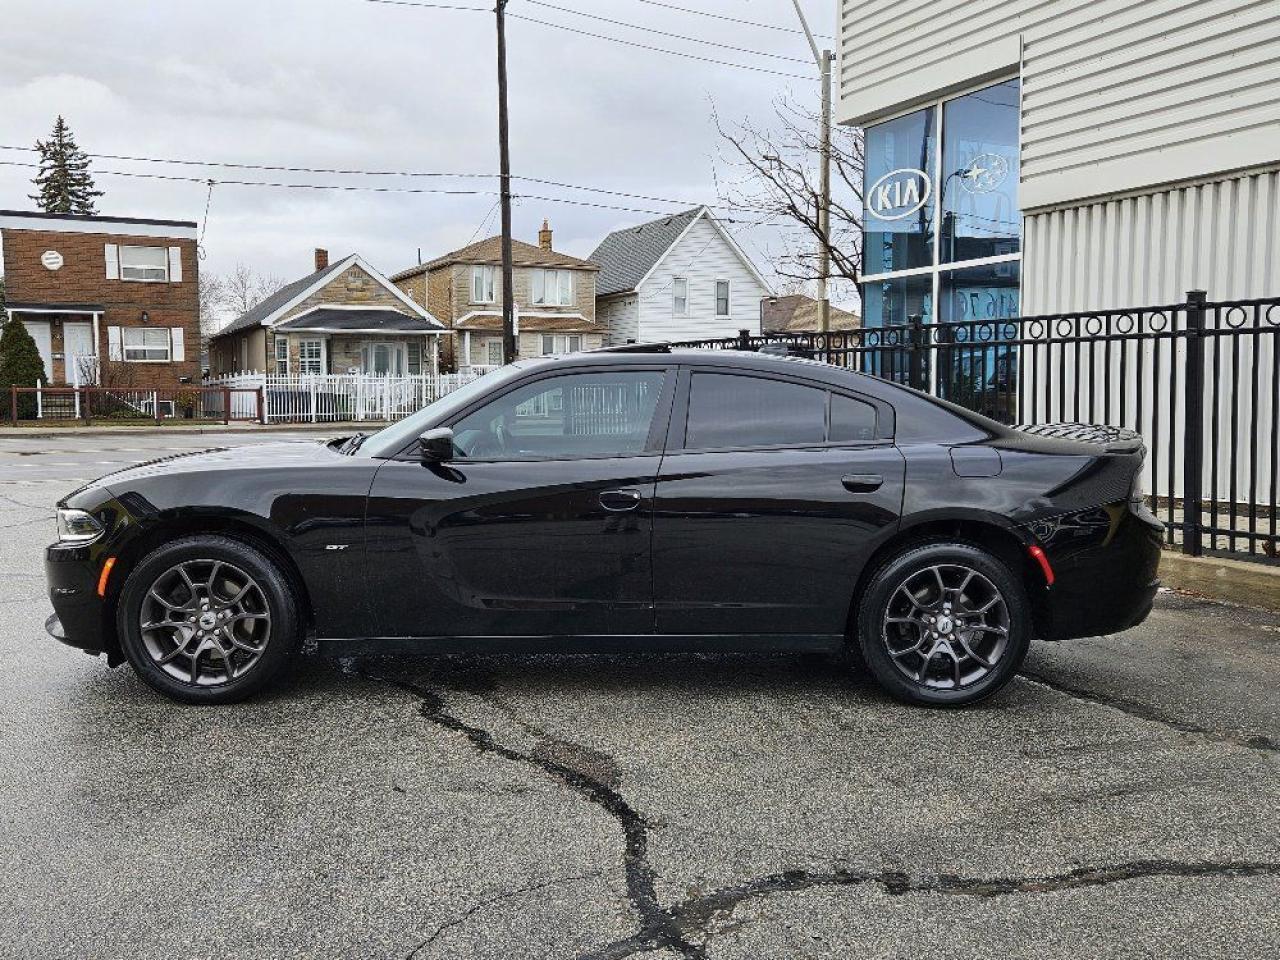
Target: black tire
[953,674]
[229,561]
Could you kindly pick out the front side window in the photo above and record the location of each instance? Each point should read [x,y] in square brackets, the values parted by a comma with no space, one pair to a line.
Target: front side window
[482,284]
[680,297]
[552,288]
[722,298]
[145,343]
[576,415]
[144,263]
[282,356]
[728,410]
[311,357]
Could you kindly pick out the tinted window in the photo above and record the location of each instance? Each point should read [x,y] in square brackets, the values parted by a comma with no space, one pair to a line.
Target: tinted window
[734,411]
[574,415]
[851,420]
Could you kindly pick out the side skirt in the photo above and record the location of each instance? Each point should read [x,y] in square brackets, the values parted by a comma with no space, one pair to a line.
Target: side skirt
[598,644]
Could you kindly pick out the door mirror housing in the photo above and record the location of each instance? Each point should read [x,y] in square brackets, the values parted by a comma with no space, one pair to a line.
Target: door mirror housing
[436,445]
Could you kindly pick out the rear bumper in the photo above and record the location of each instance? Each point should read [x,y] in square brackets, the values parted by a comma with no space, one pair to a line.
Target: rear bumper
[1105,568]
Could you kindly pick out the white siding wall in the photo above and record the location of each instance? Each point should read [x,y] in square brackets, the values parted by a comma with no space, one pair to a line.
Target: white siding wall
[619,318]
[1116,95]
[702,256]
[1222,237]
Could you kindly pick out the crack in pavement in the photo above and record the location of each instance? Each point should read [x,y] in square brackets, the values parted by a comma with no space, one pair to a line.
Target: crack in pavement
[641,878]
[1143,712]
[686,927]
[693,917]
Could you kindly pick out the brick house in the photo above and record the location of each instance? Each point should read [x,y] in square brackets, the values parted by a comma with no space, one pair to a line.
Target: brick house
[107,299]
[555,300]
[344,317]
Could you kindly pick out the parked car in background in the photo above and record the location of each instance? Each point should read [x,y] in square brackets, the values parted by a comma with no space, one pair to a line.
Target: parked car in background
[638,499]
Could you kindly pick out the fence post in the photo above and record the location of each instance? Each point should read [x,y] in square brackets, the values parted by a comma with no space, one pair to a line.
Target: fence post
[744,339]
[1193,428]
[915,365]
[262,405]
[13,403]
[86,406]
[226,405]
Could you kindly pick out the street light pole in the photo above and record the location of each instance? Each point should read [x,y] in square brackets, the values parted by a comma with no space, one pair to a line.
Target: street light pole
[504,160]
[823,59]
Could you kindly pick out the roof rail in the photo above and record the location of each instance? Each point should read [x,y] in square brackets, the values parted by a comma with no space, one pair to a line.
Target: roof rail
[658,347]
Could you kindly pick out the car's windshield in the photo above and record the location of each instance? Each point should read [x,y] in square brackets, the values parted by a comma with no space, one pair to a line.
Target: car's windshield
[389,441]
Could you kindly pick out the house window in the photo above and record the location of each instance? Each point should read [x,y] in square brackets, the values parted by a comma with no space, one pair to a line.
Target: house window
[680,297]
[495,353]
[575,344]
[553,344]
[553,288]
[548,344]
[149,264]
[311,357]
[482,284]
[722,298]
[145,343]
[413,358]
[282,356]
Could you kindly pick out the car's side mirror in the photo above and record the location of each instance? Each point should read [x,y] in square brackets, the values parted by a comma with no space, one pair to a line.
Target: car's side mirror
[436,445]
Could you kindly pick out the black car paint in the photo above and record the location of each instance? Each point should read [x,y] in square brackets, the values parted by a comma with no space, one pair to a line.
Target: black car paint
[726,549]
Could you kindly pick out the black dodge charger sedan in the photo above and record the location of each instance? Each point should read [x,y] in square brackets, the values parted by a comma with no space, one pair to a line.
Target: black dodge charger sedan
[630,499]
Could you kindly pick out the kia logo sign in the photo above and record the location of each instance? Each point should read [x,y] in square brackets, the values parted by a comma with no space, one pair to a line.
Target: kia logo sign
[899,193]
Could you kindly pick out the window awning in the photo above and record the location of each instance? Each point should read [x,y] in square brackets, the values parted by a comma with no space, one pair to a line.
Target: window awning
[17,306]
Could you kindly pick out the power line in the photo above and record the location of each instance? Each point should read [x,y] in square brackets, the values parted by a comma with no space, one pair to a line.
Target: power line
[601,36]
[721,16]
[663,33]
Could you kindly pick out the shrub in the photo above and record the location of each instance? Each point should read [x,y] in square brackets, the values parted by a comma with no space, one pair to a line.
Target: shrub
[20,365]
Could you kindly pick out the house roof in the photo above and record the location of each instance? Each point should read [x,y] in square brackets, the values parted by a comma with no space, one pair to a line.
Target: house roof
[529,322]
[489,251]
[291,294]
[361,320]
[626,256]
[797,313]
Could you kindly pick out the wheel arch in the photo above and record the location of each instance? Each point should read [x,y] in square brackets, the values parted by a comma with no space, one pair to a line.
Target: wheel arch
[988,531]
[173,526]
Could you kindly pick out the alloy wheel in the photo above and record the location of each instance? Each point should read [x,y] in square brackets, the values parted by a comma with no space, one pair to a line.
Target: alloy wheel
[946,626]
[205,622]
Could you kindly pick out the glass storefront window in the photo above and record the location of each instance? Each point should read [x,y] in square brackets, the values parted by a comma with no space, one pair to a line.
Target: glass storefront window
[979,190]
[894,302]
[898,172]
[977,367]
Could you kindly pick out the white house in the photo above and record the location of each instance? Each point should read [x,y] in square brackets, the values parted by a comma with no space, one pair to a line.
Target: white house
[679,278]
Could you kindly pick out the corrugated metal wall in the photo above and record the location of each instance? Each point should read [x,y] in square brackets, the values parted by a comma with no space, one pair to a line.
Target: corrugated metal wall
[1222,237]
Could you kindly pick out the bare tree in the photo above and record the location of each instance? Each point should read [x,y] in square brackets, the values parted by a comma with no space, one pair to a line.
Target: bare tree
[211,291]
[244,288]
[775,171]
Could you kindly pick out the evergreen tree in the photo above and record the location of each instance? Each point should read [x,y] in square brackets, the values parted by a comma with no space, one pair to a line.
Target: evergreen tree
[20,365]
[64,181]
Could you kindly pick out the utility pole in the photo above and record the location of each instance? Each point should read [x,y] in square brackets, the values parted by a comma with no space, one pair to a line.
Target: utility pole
[504,160]
[823,59]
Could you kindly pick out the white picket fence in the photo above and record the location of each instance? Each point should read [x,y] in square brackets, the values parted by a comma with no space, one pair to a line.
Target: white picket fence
[315,398]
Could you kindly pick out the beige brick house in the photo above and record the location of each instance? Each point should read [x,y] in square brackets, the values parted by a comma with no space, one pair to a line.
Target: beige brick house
[106,299]
[555,299]
[345,317]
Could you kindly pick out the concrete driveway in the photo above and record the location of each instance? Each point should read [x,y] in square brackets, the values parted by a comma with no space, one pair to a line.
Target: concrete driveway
[1120,800]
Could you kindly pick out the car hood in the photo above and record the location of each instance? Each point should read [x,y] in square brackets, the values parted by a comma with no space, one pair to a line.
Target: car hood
[283,453]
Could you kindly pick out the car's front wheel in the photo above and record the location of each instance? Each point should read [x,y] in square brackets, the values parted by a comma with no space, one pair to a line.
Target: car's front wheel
[943,624]
[207,619]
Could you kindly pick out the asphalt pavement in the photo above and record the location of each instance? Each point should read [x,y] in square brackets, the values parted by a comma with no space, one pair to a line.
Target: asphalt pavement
[1120,799]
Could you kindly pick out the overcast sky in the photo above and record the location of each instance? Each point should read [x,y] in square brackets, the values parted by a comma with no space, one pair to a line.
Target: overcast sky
[374,86]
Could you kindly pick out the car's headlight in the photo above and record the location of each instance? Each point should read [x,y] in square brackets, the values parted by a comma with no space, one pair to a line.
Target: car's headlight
[76,526]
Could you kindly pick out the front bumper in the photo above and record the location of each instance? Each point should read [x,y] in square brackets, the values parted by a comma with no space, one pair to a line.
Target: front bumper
[78,612]
[1105,565]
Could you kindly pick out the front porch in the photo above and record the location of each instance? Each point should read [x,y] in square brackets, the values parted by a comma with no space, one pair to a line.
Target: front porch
[67,336]
[355,342]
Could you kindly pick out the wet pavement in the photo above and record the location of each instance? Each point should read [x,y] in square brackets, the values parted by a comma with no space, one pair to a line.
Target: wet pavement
[1119,800]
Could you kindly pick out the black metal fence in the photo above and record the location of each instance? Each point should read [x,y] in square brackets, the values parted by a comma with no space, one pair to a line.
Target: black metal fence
[1200,380]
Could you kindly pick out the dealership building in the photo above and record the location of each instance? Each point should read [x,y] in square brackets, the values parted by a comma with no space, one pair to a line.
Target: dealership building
[1042,157]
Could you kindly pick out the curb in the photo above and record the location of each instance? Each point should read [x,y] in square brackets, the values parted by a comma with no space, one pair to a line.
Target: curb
[333,429]
[1218,578]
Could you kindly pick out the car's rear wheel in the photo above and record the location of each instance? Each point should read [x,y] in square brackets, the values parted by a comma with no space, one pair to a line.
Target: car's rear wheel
[944,624]
[207,619]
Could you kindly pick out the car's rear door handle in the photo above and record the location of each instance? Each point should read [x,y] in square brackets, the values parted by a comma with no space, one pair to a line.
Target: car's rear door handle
[619,500]
[862,482]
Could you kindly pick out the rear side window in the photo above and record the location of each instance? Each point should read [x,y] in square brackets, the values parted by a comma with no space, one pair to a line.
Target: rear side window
[737,411]
[851,420]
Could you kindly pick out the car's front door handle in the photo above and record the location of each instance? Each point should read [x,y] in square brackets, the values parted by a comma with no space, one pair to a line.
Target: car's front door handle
[862,482]
[619,500]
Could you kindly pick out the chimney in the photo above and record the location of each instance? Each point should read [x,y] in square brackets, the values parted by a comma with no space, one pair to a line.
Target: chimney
[322,258]
[544,236]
